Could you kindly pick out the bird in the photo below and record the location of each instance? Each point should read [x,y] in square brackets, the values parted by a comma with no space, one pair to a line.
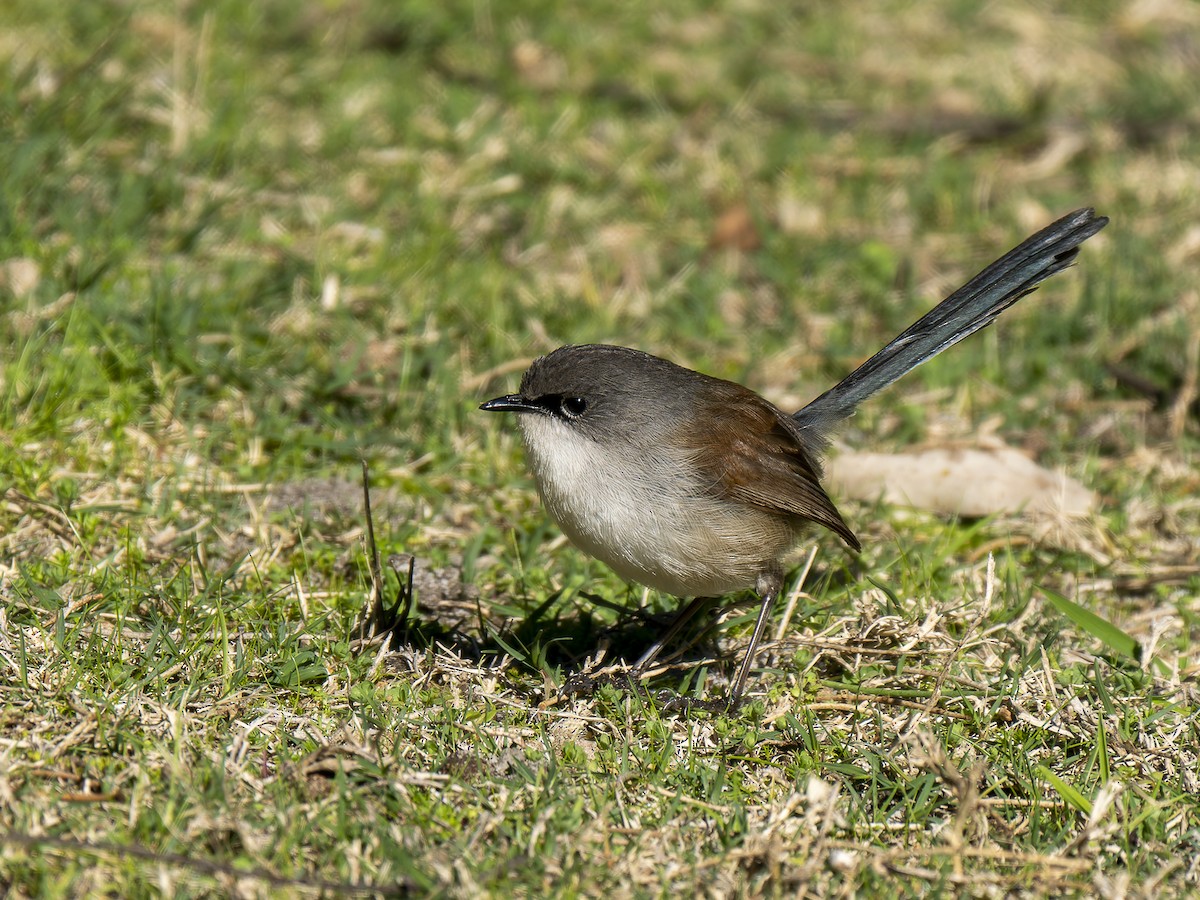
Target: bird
[697,486]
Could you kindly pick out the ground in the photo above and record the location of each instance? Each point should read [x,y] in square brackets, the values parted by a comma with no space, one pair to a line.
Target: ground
[247,247]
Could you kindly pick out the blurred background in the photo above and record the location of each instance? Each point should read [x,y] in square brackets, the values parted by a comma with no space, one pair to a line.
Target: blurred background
[301,231]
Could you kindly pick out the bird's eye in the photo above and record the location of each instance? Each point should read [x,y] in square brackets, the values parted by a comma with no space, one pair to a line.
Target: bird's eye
[573,407]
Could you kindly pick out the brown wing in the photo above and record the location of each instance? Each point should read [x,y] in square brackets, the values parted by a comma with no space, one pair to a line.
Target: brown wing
[755,458]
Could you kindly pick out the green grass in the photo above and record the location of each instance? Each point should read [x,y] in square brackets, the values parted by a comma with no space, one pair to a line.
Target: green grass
[244,246]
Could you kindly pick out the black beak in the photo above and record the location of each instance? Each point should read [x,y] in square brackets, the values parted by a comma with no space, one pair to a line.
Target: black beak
[511,403]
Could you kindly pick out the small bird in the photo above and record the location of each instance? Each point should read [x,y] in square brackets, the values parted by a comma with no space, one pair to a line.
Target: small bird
[699,487]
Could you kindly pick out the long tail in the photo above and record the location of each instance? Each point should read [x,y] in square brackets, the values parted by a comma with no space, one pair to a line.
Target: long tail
[973,306]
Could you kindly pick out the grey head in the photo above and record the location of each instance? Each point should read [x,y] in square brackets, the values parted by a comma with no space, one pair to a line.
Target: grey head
[606,392]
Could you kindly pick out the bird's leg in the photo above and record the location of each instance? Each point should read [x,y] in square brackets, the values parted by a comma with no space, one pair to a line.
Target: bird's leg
[770,583]
[677,625]
[768,587]
[587,684]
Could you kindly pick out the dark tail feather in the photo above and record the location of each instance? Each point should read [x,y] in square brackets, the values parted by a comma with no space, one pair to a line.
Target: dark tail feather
[973,306]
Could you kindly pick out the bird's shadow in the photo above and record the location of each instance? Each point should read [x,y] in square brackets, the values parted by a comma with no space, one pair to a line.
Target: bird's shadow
[562,637]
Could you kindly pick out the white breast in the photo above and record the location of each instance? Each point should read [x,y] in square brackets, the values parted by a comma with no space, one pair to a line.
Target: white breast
[646,515]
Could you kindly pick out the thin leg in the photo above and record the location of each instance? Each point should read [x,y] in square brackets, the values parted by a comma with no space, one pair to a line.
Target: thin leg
[769,586]
[587,684]
[677,625]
